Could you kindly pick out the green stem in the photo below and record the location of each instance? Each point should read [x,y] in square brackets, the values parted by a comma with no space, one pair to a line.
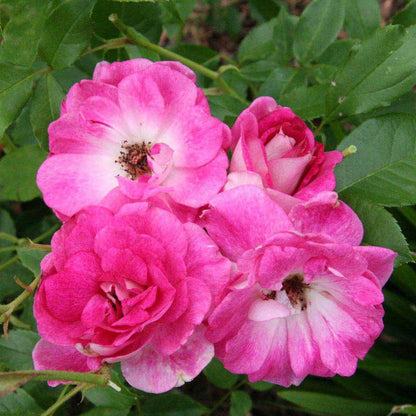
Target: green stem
[9,248]
[47,233]
[140,41]
[63,399]
[35,246]
[9,262]
[48,375]
[8,237]
[112,44]
[10,307]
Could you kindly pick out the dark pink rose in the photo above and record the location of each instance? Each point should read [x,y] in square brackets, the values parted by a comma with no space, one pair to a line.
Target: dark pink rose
[131,285]
[274,149]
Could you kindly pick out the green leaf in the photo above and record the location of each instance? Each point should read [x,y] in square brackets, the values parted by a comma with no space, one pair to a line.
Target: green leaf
[16,351]
[261,385]
[338,52]
[45,107]
[224,105]
[66,33]
[258,43]
[277,81]
[172,404]
[241,403]
[18,173]
[108,397]
[318,26]
[21,132]
[260,70]
[284,33]
[15,90]
[383,69]
[362,18]
[219,376]
[406,16]
[383,170]
[19,403]
[306,102]
[22,33]
[380,228]
[31,258]
[333,405]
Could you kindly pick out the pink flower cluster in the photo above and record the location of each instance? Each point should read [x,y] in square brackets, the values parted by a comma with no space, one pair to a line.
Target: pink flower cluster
[169,254]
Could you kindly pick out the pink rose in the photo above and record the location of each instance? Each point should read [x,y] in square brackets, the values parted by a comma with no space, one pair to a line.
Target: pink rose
[308,297]
[144,121]
[132,285]
[275,150]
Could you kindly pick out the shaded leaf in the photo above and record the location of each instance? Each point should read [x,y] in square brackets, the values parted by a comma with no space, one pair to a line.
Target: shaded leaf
[18,173]
[380,228]
[241,403]
[172,404]
[16,351]
[19,403]
[406,16]
[219,376]
[109,398]
[333,405]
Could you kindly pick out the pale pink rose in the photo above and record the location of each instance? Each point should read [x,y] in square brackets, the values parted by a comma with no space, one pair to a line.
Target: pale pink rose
[274,149]
[305,297]
[132,285]
[144,121]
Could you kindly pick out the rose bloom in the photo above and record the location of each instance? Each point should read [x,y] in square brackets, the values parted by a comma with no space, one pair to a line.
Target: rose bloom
[308,296]
[144,121]
[274,149]
[130,285]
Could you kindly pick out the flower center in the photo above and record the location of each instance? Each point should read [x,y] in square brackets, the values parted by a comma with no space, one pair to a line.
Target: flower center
[133,159]
[295,286]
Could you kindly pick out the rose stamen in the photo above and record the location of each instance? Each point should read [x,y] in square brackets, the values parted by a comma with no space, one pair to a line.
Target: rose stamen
[133,159]
[295,287]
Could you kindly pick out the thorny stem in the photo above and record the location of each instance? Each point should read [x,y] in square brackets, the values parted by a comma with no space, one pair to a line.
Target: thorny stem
[141,41]
[8,309]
